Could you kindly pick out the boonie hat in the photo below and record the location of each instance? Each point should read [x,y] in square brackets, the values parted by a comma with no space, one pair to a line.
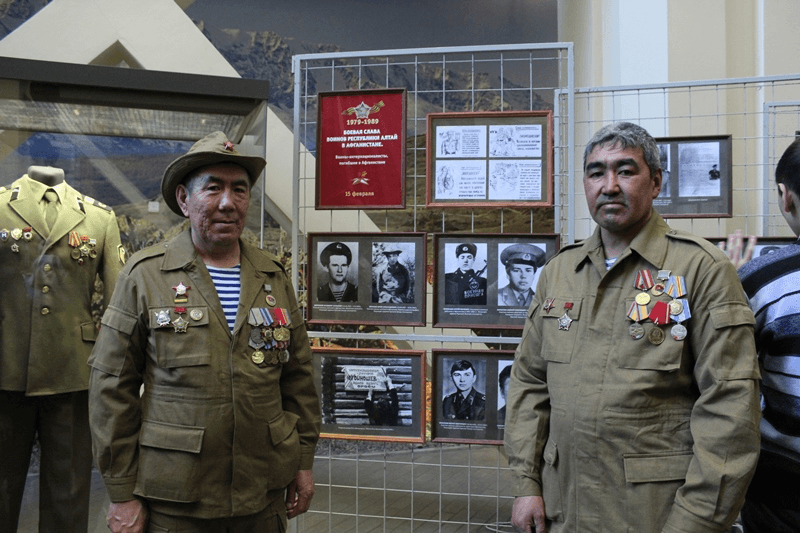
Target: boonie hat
[212,149]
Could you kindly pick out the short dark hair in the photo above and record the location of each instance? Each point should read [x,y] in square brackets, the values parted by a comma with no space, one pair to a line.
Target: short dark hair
[788,169]
[627,135]
[504,376]
[462,365]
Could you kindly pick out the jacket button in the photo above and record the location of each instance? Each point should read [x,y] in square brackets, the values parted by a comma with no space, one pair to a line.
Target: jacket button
[45,311]
[45,289]
[47,268]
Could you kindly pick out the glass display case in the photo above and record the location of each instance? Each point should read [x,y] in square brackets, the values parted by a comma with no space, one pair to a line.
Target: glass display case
[114,130]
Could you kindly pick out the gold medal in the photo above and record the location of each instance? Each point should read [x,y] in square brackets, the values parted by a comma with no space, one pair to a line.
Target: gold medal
[656,336]
[196,314]
[180,324]
[642,298]
[281,334]
[257,357]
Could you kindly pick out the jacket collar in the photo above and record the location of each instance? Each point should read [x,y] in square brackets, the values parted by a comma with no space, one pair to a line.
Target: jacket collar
[181,253]
[25,202]
[648,243]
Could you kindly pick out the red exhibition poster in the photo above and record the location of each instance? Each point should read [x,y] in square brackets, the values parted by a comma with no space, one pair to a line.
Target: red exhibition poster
[361,149]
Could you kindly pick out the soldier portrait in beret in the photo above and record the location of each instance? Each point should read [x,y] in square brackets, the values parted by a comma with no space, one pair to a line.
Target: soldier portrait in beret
[339,284]
[521,262]
[464,285]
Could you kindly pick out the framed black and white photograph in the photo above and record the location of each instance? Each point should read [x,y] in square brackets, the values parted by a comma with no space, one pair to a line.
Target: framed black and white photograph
[469,395]
[487,280]
[374,395]
[366,278]
[490,159]
[696,177]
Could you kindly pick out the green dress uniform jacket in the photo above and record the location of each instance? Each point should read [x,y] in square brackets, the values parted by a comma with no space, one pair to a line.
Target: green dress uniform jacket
[618,434]
[214,434]
[46,327]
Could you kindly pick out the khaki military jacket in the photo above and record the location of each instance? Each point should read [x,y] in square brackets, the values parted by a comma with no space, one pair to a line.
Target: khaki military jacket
[214,430]
[623,435]
[46,284]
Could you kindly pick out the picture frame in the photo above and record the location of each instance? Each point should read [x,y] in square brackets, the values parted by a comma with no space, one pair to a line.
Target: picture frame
[344,379]
[361,149]
[466,423]
[383,284]
[482,293]
[696,177]
[489,159]
[764,245]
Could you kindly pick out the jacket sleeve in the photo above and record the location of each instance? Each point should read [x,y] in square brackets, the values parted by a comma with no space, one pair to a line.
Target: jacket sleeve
[117,363]
[528,404]
[112,260]
[725,417]
[297,387]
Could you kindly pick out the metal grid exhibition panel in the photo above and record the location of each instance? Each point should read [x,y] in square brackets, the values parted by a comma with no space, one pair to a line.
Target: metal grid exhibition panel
[376,486]
[365,485]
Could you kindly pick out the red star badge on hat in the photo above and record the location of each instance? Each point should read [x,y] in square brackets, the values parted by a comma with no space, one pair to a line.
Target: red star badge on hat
[228,146]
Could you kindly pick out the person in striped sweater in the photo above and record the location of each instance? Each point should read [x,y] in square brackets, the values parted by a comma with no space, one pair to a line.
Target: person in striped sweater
[772,284]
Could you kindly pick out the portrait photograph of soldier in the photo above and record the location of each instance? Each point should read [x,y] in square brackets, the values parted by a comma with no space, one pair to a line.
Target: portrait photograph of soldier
[393,265]
[338,274]
[519,264]
[465,278]
[462,385]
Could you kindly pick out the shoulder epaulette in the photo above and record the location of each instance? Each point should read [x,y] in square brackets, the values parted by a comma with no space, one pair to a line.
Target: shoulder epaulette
[146,253]
[91,201]
[685,236]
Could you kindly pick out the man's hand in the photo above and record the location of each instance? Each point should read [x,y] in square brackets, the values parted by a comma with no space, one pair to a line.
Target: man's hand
[528,512]
[733,248]
[127,517]
[299,493]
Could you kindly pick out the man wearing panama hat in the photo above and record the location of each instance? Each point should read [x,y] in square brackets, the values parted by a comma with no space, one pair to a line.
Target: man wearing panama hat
[223,435]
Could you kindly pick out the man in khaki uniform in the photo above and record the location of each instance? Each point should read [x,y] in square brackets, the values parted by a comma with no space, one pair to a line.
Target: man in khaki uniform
[633,401]
[48,267]
[223,437]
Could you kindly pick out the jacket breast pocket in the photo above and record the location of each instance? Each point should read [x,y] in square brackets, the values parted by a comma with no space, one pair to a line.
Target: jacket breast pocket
[181,339]
[644,354]
[174,449]
[560,324]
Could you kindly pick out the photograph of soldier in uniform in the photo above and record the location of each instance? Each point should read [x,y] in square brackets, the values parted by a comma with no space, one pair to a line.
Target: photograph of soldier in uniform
[338,279]
[502,389]
[464,285]
[466,402]
[392,267]
[520,262]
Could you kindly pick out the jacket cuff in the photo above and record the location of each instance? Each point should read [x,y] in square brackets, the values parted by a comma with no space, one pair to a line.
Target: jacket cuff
[307,459]
[525,486]
[120,489]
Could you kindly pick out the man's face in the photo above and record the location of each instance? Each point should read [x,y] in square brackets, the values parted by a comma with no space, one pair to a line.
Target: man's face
[392,258]
[463,379]
[217,205]
[520,276]
[465,262]
[619,188]
[337,268]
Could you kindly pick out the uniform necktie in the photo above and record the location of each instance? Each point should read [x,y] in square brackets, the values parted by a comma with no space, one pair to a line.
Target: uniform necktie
[51,208]
[521,299]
